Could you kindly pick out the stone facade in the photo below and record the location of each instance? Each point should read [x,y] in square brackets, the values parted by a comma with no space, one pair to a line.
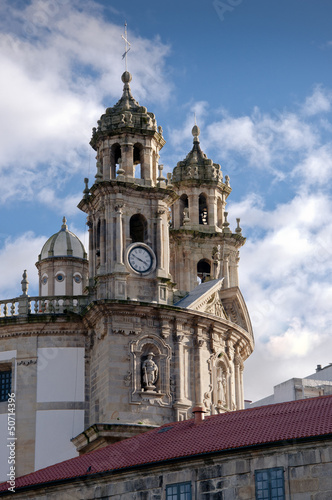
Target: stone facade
[307,471]
[136,343]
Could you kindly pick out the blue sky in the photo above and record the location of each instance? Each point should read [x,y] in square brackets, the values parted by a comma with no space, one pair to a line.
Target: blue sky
[258,75]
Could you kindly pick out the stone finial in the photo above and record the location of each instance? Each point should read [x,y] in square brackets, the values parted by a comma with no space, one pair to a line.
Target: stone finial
[64,226]
[227,180]
[98,175]
[225,226]
[238,229]
[120,170]
[25,284]
[161,178]
[86,189]
[169,179]
[195,132]
[126,77]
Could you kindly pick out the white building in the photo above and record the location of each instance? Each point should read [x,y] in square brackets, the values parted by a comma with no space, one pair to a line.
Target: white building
[317,384]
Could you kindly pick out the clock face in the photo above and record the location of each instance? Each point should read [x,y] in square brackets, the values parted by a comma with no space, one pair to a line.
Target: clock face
[140,259]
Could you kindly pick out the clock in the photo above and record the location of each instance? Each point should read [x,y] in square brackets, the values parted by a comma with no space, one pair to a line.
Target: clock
[140,258]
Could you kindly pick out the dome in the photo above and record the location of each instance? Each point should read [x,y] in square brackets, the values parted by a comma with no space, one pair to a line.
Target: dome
[63,244]
[125,115]
[197,166]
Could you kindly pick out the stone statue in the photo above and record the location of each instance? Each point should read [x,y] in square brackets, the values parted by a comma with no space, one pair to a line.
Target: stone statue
[149,373]
[221,390]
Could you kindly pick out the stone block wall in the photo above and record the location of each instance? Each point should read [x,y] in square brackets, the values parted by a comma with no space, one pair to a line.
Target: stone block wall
[227,476]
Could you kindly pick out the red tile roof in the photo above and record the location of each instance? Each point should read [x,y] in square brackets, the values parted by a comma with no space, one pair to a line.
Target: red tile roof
[228,431]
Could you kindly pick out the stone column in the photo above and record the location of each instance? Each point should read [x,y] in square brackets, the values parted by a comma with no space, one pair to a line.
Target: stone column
[146,165]
[198,345]
[226,271]
[160,242]
[230,354]
[179,366]
[176,214]
[212,210]
[106,164]
[186,274]
[119,235]
[91,257]
[102,244]
[127,156]
[238,363]
[26,403]
[193,209]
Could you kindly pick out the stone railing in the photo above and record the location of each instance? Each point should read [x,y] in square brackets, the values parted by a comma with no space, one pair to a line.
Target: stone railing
[25,305]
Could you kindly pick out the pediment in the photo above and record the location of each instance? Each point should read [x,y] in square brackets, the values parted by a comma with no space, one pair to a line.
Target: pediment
[205,298]
[227,303]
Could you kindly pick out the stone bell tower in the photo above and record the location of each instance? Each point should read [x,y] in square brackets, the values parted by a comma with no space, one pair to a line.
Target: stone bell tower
[128,206]
[202,245]
[151,358]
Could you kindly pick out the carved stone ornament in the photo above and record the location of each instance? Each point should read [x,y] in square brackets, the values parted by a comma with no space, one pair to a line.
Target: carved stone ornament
[127,378]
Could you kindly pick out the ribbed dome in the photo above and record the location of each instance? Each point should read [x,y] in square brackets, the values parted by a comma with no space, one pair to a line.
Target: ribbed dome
[197,166]
[63,244]
[126,114]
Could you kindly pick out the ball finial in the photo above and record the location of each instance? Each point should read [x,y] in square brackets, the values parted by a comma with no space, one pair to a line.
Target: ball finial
[126,77]
[195,131]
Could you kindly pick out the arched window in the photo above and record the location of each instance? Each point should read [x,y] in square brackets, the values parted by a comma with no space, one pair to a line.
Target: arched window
[183,208]
[138,161]
[203,209]
[203,270]
[138,228]
[115,157]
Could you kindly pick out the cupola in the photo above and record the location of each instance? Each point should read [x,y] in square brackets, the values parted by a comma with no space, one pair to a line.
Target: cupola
[62,264]
[127,141]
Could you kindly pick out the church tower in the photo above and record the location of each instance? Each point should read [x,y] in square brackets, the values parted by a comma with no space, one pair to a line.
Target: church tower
[202,245]
[128,206]
[150,357]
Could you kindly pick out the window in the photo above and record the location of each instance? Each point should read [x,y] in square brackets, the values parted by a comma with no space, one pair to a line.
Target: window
[179,491]
[138,228]
[203,270]
[203,209]
[270,484]
[5,383]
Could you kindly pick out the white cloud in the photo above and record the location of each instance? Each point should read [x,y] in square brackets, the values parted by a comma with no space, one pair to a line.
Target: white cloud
[57,67]
[15,256]
[286,279]
[318,102]
[316,168]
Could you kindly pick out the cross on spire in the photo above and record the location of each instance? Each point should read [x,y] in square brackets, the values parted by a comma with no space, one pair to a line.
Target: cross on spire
[127,49]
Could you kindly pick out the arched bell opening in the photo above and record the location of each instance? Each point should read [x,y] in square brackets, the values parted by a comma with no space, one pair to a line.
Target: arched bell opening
[138,161]
[115,159]
[203,270]
[138,228]
[203,209]
[184,210]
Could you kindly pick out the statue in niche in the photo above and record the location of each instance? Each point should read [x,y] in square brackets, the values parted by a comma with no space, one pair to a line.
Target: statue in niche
[149,373]
[221,389]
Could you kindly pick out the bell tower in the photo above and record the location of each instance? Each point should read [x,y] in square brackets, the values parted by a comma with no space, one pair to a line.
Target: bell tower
[151,358]
[128,206]
[203,247]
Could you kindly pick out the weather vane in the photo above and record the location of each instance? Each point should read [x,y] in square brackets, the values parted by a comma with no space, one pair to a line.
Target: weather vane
[127,49]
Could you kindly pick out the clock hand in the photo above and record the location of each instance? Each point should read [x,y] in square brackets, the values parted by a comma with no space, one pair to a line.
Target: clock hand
[144,262]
